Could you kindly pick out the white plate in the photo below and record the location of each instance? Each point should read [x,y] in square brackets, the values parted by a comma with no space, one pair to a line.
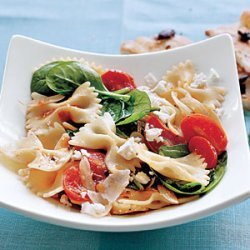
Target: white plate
[25,54]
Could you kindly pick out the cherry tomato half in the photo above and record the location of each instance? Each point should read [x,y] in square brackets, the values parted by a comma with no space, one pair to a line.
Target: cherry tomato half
[169,138]
[115,80]
[203,147]
[198,124]
[97,165]
[72,185]
[72,182]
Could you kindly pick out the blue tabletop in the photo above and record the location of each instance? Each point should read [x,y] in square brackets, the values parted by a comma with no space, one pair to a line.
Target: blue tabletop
[100,26]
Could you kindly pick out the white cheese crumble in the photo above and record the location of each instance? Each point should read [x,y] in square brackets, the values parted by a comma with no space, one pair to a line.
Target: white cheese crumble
[153,134]
[83,194]
[94,209]
[84,152]
[128,149]
[155,100]
[213,77]
[199,81]
[219,112]
[142,178]
[76,155]
[163,114]
[162,87]
[65,200]
[150,80]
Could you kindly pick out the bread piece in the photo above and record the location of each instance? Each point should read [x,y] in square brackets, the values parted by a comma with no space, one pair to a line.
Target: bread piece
[240,32]
[165,40]
[242,48]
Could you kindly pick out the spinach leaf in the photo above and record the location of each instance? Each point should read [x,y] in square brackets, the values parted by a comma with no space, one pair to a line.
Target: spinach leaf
[116,109]
[189,188]
[125,130]
[121,133]
[217,173]
[194,188]
[175,151]
[141,106]
[38,82]
[122,91]
[111,95]
[71,133]
[65,77]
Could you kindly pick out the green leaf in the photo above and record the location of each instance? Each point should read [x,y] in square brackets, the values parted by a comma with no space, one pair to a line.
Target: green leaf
[194,188]
[111,95]
[71,133]
[141,106]
[38,82]
[136,185]
[121,133]
[217,173]
[190,188]
[115,108]
[122,91]
[125,130]
[65,77]
[175,151]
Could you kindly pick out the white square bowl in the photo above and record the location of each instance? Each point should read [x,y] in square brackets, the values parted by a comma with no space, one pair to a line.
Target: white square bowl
[25,54]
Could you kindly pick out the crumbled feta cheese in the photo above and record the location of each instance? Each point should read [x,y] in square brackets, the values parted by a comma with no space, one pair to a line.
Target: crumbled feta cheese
[128,150]
[83,194]
[142,178]
[150,80]
[137,139]
[199,81]
[94,209]
[76,155]
[162,87]
[213,77]
[65,200]
[153,134]
[219,112]
[163,114]
[155,100]
[84,152]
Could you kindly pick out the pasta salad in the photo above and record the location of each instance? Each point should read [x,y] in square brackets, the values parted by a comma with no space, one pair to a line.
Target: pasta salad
[97,142]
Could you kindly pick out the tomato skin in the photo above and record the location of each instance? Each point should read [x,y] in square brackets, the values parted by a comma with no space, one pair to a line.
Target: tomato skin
[169,137]
[72,184]
[115,80]
[203,147]
[198,124]
[64,115]
[97,165]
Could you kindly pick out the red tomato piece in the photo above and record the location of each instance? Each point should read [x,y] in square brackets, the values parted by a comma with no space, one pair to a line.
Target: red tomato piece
[198,124]
[72,184]
[97,165]
[203,147]
[169,137]
[64,115]
[115,80]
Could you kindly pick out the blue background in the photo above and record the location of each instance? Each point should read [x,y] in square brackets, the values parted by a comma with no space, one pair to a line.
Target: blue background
[100,26]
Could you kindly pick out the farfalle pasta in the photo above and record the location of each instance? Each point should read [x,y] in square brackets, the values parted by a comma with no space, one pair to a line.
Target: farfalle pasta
[97,142]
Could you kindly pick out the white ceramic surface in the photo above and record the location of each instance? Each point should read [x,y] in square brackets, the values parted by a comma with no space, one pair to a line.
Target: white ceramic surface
[25,54]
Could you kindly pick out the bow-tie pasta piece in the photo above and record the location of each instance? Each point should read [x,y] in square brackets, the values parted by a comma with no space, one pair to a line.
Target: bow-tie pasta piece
[82,107]
[131,201]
